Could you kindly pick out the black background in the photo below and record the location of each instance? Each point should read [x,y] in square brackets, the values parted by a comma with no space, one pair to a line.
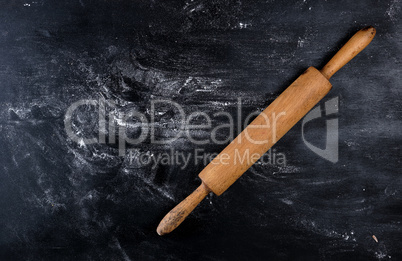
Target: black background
[63,201]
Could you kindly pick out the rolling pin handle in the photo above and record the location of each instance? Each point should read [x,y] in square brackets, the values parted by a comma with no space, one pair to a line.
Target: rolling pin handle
[177,215]
[355,45]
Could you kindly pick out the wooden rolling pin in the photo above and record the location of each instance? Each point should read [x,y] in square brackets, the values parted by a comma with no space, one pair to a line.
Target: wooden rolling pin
[267,128]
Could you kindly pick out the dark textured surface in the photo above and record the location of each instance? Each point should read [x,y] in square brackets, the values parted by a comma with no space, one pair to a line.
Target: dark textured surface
[63,201]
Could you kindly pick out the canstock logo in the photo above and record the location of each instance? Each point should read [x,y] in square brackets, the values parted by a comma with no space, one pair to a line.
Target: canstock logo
[331,145]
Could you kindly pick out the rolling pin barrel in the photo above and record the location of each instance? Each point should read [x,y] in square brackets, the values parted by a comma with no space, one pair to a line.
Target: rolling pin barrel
[265,130]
